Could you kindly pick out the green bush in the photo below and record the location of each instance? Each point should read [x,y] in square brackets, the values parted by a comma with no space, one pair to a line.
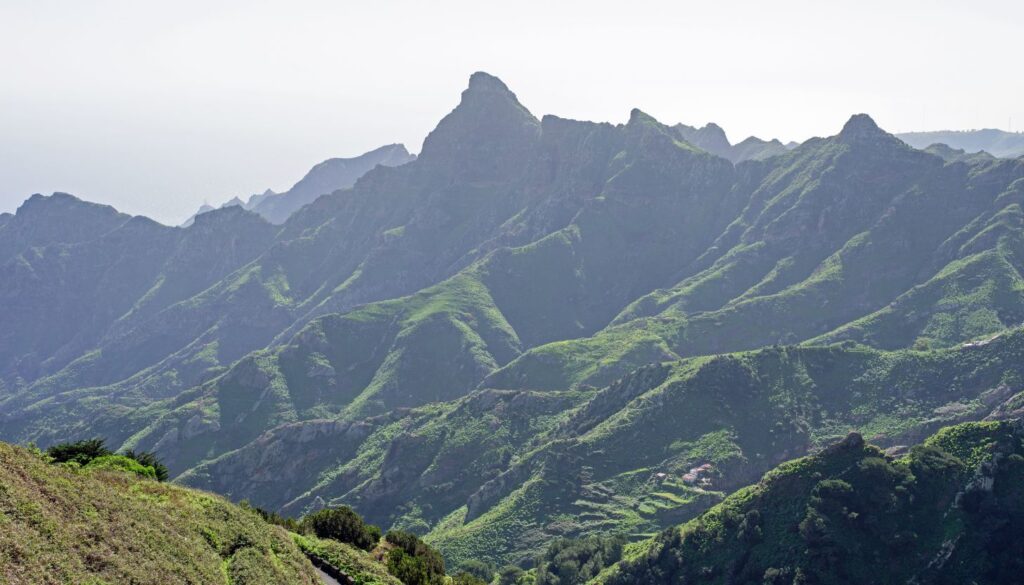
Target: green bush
[87,451]
[121,463]
[412,561]
[148,459]
[344,525]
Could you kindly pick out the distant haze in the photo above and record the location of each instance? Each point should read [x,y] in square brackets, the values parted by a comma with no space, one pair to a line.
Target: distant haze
[156,108]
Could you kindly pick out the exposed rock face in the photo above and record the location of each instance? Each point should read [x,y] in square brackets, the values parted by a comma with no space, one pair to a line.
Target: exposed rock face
[490,136]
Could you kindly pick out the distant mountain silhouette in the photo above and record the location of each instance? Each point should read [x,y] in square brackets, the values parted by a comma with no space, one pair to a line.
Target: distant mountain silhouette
[995,142]
[324,178]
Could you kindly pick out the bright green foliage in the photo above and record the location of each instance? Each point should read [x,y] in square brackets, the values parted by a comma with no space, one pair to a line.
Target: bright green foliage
[59,524]
[121,463]
[93,454]
[342,559]
[147,459]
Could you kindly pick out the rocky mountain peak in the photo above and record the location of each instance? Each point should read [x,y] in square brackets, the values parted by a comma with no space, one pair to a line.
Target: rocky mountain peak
[860,127]
[60,203]
[638,116]
[486,133]
[38,200]
[390,155]
[485,82]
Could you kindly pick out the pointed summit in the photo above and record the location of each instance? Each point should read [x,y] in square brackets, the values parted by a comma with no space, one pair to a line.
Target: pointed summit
[488,134]
[481,81]
[638,116]
[860,127]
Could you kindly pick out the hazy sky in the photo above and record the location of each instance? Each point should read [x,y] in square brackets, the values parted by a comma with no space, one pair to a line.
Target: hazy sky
[156,107]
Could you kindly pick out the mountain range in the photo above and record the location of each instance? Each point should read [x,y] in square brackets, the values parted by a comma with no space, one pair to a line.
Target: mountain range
[536,328]
[326,177]
[998,143]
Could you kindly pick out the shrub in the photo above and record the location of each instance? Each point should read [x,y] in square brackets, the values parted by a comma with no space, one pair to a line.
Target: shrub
[121,463]
[344,525]
[88,452]
[412,561]
[149,460]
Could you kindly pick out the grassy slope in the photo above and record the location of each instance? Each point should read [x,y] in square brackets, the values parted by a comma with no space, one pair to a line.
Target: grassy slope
[742,413]
[439,343]
[499,473]
[59,525]
[362,567]
[945,513]
[906,273]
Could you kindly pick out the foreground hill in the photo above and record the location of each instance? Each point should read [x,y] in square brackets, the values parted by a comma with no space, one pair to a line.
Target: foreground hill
[950,511]
[59,525]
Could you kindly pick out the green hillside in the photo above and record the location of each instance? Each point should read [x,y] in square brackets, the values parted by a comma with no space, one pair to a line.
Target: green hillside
[498,474]
[949,511]
[95,526]
[533,330]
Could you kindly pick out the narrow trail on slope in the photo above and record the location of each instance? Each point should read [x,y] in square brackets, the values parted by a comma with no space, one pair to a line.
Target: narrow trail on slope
[325,577]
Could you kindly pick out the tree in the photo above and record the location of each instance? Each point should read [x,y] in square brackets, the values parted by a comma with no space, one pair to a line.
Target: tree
[412,561]
[569,561]
[81,452]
